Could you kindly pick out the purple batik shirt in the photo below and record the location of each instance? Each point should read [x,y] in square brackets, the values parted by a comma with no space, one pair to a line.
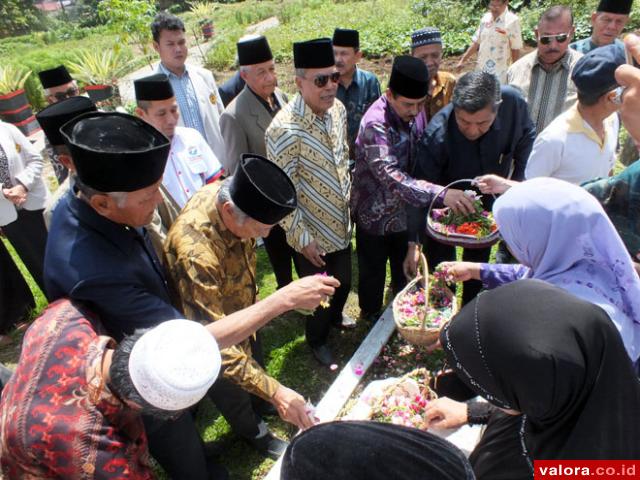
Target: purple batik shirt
[382,181]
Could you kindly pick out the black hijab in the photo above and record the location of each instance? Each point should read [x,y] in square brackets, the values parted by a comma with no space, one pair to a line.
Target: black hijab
[371,451]
[534,348]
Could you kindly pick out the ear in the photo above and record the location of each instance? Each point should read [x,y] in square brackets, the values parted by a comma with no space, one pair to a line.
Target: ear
[388,93]
[298,82]
[139,112]
[156,46]
[243,76]
[103,204]
[594,15]
[358,56]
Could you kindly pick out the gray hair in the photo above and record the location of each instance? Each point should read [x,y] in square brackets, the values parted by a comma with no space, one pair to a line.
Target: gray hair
[301,72]
[47,91]
[224,196]
[475,91]
[89,192]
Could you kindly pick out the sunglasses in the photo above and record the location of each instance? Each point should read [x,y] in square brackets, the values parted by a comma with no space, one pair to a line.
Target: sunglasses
[322,80]
[71,92]
[560,38]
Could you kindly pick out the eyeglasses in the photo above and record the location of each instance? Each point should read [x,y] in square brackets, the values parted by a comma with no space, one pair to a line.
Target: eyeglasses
[71,92]
[560,38]
[322,80]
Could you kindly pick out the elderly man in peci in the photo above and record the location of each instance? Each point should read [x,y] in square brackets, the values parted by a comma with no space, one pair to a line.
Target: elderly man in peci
[308,139]
[211,254]
[607,22]
[98,253]
[544,75]
[485,129]
[426,45]
[243,125]
[73,407]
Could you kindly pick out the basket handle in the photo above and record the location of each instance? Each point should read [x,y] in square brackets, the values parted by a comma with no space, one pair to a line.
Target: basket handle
[425,285]
[446,188]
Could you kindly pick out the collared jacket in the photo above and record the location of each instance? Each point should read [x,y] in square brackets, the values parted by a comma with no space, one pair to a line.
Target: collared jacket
[111,268]
[214,273]
[243,125]
[444,154]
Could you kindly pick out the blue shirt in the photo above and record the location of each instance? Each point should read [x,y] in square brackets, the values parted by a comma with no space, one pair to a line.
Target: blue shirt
[586,45]
[109,267]
[444,154]
[357,98]
[186,98]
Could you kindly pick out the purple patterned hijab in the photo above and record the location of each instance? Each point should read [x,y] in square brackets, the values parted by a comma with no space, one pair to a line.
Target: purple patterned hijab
[565,237]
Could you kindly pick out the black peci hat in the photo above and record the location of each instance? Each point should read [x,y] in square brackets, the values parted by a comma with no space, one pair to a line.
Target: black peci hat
[56,115]
[153,87]
[262,190]
[343,37]
[622,7]
[409,77]
[55,77]
[116,152]
[317,53]
[253,50]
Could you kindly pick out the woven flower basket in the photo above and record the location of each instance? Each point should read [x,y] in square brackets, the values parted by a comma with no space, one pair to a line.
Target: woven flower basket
[454,238]
[424,334]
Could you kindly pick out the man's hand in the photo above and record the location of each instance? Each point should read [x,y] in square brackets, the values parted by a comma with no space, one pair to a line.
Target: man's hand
[445,413]
[494,184]
[307,292]
[16,195]
[292,407]
[314,254]
[410,264]
[457,201]
[461,271]
[629,77]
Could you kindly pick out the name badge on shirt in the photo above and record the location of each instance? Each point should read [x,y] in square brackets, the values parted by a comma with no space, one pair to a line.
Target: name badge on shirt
[18,148]
[195,160]
[501,30]
[213,98]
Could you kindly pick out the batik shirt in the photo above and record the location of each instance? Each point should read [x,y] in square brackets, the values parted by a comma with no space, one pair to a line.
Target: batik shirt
[59,419]
[441,95]
[313,151]
[357,98]
[549,93]
[497,37]
[382,181]
[214,273]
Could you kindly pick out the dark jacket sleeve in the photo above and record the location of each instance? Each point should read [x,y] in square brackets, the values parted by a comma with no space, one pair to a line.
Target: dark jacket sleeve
[524,144]
[478,413]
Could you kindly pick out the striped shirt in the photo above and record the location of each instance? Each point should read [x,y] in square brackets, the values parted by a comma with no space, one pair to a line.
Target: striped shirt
[548,94]
[314,153]
[186,98]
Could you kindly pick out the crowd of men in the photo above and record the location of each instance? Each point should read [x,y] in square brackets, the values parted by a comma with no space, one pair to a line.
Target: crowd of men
[158,214]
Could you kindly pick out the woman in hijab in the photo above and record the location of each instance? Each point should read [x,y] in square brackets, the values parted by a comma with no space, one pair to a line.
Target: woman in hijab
[560,234]
[556,364]
[371,451]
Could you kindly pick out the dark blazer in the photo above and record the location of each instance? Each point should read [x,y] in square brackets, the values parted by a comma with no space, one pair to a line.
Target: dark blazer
[243,124]
[231,88]
[109,267]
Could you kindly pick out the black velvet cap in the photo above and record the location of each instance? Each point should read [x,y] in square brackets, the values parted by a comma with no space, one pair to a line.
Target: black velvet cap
[615,6]
[372,451]
[344,37]
[55,77]
[425,36]
[57,114]
[316,53]
[116,152]
[409,77]
[153,87]
[262,190]
[254,50]
[594,73]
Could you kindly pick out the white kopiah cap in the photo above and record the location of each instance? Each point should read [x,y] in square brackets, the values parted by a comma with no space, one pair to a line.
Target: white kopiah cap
[173,365]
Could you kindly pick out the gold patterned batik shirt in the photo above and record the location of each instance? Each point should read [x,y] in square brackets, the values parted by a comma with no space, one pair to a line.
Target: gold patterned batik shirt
[214,272]
[314,152]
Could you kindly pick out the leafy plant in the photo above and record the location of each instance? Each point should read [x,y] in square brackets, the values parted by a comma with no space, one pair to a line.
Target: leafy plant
[100,67]
[202,9]
[12,78]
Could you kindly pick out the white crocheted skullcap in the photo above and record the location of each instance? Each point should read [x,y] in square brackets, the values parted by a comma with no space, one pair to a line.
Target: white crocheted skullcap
[174,364]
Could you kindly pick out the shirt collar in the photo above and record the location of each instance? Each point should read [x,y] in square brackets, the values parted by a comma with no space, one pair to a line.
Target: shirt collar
[303,110]
[392,117]
[265,104]
[577,124]
[502,16]
[564,61]
[170,74]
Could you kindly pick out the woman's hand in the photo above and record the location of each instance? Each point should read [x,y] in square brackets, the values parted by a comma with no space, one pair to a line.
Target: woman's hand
[16,195]
[445,413]
[494,184]
[460,271]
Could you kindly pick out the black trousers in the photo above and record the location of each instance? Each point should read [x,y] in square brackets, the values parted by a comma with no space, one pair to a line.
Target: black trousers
[280,255]
[338,265]
[437,252]
[16,299]
[373,252]
[28,235]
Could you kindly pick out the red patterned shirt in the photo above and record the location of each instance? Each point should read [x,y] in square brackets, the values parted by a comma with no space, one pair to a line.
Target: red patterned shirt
[58,419]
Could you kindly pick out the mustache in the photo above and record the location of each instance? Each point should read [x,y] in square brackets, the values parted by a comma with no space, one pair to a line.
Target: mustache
[339,64]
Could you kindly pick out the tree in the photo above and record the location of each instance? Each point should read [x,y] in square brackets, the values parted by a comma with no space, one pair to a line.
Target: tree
[18,17]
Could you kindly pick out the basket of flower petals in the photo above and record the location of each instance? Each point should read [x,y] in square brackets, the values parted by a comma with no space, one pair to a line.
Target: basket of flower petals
[403,402]
[422,308]
[469,230]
